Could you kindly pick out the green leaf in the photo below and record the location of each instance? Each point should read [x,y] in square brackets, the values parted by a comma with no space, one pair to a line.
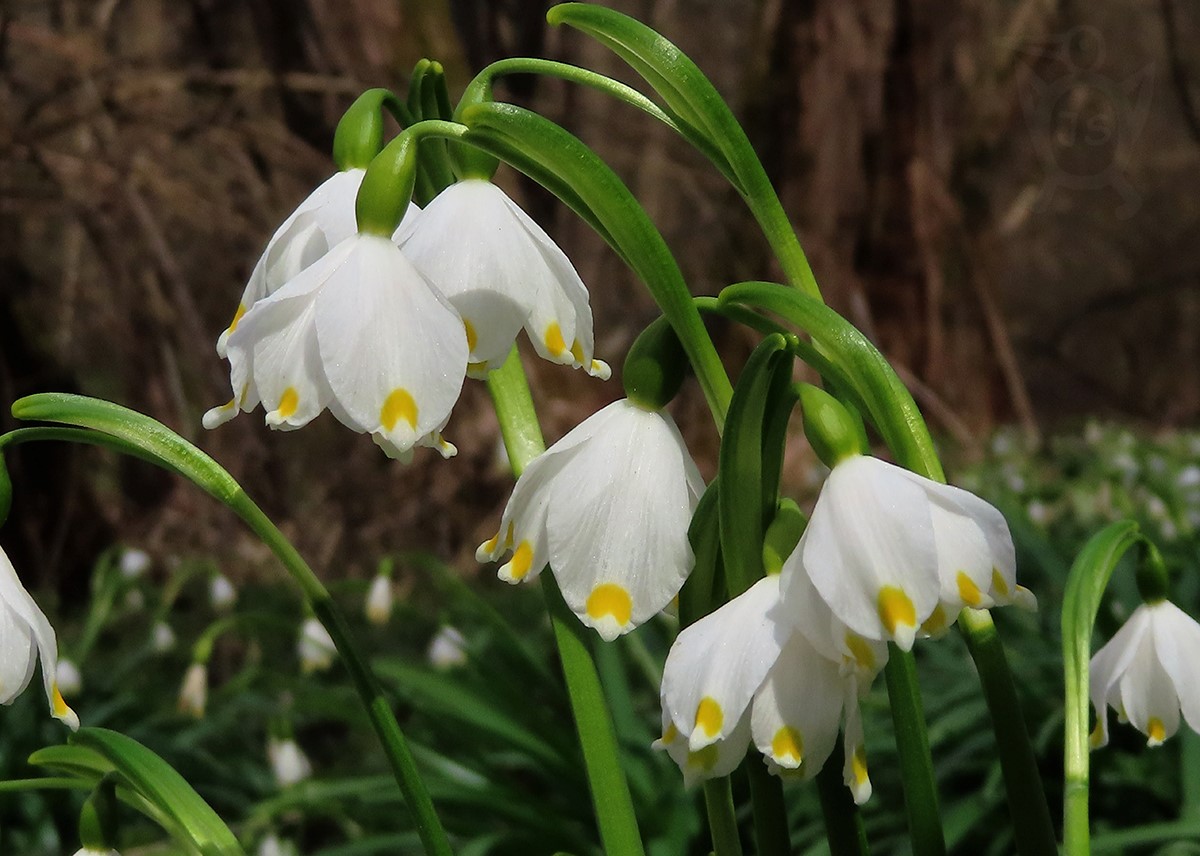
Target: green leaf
[154,780]
[1085,587]
[572,171]
[156,442]
[704,534]
[742,510]
[859,370]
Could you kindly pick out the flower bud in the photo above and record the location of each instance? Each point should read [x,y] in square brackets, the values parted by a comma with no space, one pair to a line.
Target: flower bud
[832,431]
[655,366]
[193,695]
[359,134]
[783,534]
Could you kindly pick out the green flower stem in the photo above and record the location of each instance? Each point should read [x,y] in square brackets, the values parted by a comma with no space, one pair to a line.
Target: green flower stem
[379,709]
[912,744]
[481,89]
[601,754]
[164,447]
[1086,582]
[1033,828]
[843,824]
[770,813]
[722,819]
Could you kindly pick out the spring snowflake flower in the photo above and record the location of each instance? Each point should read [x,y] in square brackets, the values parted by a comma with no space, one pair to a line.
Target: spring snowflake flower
[378,606]
[162,638]
[89,851]
[447,649]
[1147,672]
[134,563]
[193,693]
[319,223]
[289,764]
[221,592]
[359,332]
[315,648]
[26,635]
[502,272]
[894,554]
[608,508]
[70,679]
[747,674]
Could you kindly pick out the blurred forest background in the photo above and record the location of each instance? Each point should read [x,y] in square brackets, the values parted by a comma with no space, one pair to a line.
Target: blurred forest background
[1005,196]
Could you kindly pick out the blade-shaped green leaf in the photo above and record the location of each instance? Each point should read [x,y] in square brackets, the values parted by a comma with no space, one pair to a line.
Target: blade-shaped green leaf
[152,778]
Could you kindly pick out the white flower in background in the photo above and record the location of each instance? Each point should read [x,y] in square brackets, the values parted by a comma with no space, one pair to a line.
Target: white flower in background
[163,637]
[608,507]
[319,223]
[1188,477]
[746,673]
[134,563]
[359,332]
[135,600]
[1147,672]
[70,681]
[289,764]
[315,648]
[379,601]
[89,851]
[447,649]
[26,635]
[502,272]
[272,845]
[193,693]
[893,553]
[221,592]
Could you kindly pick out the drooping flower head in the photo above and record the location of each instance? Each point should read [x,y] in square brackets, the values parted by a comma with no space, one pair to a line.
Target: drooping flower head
[319,223]
[289,764]
[379,602]
[193,692]
[315,647]
[1147,672]
[608,508]
[747,673]
[26,635]
[359,332]
[502,272]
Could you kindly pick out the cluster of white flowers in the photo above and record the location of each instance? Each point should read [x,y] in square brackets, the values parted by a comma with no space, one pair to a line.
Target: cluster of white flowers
[382,331]
[887,556]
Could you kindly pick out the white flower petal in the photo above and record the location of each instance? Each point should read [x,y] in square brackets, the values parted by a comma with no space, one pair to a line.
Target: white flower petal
[26,620]
[1109,664]
[1148,699]
[797,710]
[618,518]
[393,350]
[869,550]
[1177,641]
[711,762]
[854,771]
[717,664]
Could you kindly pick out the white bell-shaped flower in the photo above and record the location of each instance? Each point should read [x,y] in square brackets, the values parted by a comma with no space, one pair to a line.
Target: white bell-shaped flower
[319,223]
[893,553]
[193,693]
[379,602]
[1147,672]
[360,332]
[26,635]
[447,649]
[315,648]
[608,508]
[502,272]
[92,851]
[162,637]
[221,592]
[70,679]
[748,663]
[289,764]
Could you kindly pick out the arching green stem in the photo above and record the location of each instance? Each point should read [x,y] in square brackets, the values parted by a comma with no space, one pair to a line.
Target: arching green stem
[164,447]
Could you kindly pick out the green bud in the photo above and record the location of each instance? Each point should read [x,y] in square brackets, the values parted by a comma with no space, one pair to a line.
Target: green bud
[470,162]
[5,491]
[831,429]
[783,535]
[359,134]
[1153,581]
[98,818]
[655,366]
[387,187]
